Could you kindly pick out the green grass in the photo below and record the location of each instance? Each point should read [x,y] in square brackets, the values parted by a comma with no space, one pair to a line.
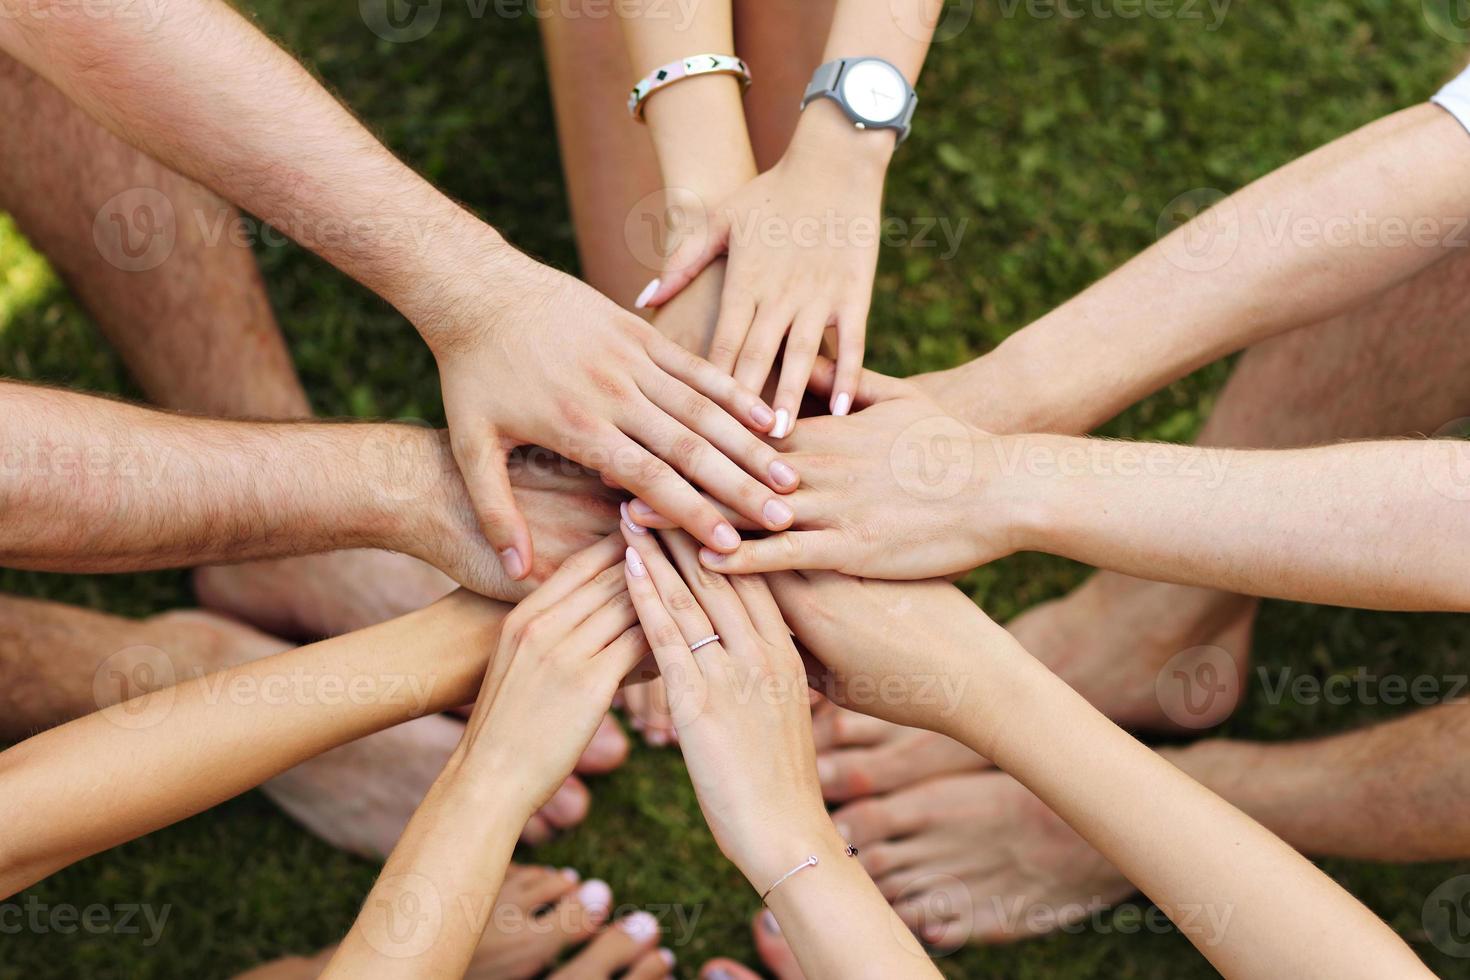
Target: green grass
[1059,140]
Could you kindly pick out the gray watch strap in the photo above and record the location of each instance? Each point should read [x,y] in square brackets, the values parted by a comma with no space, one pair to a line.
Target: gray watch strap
[824,84]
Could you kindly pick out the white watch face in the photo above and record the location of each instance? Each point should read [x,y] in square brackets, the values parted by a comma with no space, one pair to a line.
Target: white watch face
[875,91]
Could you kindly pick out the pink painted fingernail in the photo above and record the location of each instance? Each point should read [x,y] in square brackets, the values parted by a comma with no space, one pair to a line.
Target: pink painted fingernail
[783,474]
[783,424]
[841,403]
[776,512]
[646,295]
[628,521]
[762,415]
[711,557]
[635,564]
[727,537]
[514,565]
[642,511]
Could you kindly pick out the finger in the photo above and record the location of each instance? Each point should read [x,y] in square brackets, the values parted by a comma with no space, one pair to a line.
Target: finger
[564,621]
[871,386]
[574,573]
[691,619]
[640,514]
[712,591]
[796,364]
[608,622]
[722,477]
[623,655]
[670,494]
[779,552]
[761,607]
[758,355]
[482,461]
[713,423]
[737,309]
[851,339]
[743,403]
[696,251]
[664,636]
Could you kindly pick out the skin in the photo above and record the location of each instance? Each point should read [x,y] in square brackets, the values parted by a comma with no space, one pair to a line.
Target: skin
[1188,850]
[782,284]
[744,722]
[526,354]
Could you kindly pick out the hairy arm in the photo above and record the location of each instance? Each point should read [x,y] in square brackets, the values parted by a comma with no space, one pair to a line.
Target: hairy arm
[177,751]
[1316,237]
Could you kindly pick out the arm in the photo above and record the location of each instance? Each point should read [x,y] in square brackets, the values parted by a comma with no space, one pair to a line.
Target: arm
[802,238]
[89,484]
[903,490]
[1187,849]
[180,750]
[562,654]
[1314,238]
[741,708]
[526,354]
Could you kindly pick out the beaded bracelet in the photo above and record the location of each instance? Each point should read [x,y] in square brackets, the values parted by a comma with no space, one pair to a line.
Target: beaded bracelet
[699,64]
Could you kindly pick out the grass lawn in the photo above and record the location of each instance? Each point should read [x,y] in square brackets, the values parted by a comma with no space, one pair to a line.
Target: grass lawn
[1058,140]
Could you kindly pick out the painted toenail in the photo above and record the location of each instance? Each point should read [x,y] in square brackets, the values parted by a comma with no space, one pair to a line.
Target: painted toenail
[667,955]
[595,896]
[769,923]
[719,973]
[640,927]
[658,737]
[570,874]
[826,770]
[844,831]
[565,806]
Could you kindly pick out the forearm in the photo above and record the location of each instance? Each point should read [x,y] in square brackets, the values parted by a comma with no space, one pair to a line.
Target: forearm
[1240,894]
[194,85]
[697,124]
[1373,524]
[1397,791]
[93,485]
[182,749]
[444,873]
[1314,238]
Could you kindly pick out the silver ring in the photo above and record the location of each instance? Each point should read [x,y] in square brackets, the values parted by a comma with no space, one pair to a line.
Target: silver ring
[712,638]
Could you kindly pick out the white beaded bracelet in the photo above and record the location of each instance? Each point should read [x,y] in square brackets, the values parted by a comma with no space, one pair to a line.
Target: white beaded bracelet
[699,64]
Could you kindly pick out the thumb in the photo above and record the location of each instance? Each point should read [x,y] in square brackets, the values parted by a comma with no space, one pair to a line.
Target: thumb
[872,386]
[482,462]
[697,250]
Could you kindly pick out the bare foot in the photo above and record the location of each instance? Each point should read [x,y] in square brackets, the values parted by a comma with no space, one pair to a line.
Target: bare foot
[978,858]
[317,596]
[772,948]
[627,949]
[647,705]
[858,755]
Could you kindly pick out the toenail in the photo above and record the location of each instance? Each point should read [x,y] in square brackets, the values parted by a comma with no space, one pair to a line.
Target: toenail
[826,770]
[658,737]
[595,896]
[719,973]
[640,926]
[845,832]
[570,874]
[667,955]
[769,923]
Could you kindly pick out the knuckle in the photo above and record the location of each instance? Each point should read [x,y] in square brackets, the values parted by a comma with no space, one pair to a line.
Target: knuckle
[609,576]
[688,450]
[713,581]
[682,600]
[724,348]
[667,635]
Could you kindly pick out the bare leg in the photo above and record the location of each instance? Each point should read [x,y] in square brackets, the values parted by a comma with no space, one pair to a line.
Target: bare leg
[782,42]
[196,330]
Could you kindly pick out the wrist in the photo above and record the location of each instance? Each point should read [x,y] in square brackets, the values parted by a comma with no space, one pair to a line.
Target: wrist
[465,279]
[478,776]
[698,131]
[826,137]
[776,846]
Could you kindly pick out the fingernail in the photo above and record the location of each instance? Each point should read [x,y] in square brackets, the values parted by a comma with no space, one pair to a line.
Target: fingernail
[570,874]
[769,923]
[595,896]
[761,415]
[783,474]
[646,295]
[641,510]
[726,536]
[514,566]
[640,926]
[667,955]
[628,521]
[826,770]
[783,424]
[711,557]
[776,512]
[635,564]
[841,403]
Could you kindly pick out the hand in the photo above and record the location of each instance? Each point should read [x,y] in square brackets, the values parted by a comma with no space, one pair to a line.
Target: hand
[900,490]
[567,370]
[563,652]
[740,704]
[803,241]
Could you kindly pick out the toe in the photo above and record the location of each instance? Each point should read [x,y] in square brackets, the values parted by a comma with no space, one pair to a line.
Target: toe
[530,889]
[846,774]
[607,750]
[775,952]
[725,970]
[653,965]
[536,832]
[573,919]
[614,949]
[568,806]
[867,822]
[834,727]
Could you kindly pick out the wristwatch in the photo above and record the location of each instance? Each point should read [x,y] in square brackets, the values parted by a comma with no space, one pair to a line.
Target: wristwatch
[872,92]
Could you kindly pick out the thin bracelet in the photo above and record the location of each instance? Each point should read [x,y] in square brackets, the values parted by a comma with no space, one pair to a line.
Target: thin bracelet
[699,64]
[810,862]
